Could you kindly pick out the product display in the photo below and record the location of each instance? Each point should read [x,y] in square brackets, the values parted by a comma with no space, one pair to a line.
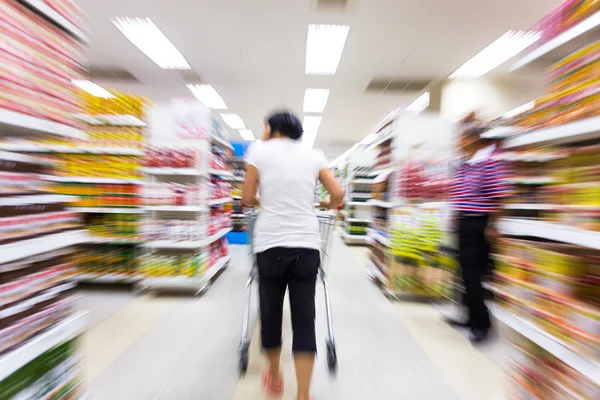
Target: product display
[165,157]
[117,227]
[219,189]
[172,194]
[155,265]
[94,262]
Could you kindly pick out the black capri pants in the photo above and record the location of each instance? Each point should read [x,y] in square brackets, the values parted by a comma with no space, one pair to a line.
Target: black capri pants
[280,268]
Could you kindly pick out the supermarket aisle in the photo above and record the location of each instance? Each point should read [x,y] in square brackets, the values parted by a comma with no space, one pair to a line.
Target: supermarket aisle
[378,358]
[180,348]
[170,347]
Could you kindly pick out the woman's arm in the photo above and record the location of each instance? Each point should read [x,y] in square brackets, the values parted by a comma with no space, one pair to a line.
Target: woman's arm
[250,187]
[333,187]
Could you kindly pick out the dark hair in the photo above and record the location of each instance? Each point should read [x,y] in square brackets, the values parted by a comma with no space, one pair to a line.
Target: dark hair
[475,131]
[286,123]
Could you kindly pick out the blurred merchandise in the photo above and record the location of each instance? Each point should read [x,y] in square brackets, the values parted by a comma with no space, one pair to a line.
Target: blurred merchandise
[117,227]
[219,250]
[172,194]
[219,189]
[100,195]
[178,230]
[219,220]
[95,261]
[167,157]
[160,265]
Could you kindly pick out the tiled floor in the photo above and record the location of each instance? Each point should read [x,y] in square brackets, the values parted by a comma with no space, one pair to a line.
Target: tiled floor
[146,348]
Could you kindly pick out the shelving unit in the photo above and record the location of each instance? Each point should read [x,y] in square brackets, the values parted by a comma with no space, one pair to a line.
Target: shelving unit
[176,260]
[358,185]
[406,235]
[551,241]
[39,313]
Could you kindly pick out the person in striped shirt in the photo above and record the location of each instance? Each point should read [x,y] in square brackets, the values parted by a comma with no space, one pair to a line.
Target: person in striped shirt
[479,185]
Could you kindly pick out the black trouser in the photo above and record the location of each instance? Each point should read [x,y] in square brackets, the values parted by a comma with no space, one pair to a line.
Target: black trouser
[474,258]
[294,268]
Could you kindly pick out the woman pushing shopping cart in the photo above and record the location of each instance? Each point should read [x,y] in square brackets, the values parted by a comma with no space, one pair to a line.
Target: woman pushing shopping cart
[290,243]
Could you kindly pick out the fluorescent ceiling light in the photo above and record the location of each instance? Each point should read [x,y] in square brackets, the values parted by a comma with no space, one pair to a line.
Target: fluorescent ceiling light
[369,139]
[208,96]
[146,36]
[234,121]
[308,139]
[519,110]
[315,100]
[93,89]
[502,50]
[421,103]
[311,123]
[246,134]
[324,48]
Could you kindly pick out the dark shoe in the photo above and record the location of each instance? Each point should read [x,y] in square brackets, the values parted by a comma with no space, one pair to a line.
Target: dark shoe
[456,323]
[478,336]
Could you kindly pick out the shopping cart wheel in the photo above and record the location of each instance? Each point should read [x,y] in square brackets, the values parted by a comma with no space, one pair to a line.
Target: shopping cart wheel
[243,359]
[331,357]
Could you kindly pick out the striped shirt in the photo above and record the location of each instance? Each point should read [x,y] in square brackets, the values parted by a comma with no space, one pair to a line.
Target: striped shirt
[480,183]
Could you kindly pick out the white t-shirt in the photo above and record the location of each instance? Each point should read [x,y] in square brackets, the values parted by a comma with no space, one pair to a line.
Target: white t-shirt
[287,174]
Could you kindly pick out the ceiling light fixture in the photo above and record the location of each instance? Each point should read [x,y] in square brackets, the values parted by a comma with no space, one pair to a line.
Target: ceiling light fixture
[324,48]
[421,103]
[234,121]
[503,49]
[369,139]
[146,36]
[519,110]
[208,96]
[308,139]
[311,123]
[315,100]
[93,89]
[246,134]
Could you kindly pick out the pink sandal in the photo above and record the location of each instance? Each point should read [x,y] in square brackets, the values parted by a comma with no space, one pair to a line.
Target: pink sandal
[273,387]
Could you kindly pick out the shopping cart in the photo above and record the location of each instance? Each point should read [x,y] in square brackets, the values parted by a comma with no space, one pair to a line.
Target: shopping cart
[326,228]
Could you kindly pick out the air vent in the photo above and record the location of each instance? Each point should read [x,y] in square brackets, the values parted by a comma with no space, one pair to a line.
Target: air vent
[334,5]
[111,74]
[189,76]
[397,85]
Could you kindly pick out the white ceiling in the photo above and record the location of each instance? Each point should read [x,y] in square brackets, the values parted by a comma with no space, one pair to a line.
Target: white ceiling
[252,52]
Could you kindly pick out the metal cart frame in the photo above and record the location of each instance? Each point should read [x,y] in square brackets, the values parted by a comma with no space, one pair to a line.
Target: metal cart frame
[327,223]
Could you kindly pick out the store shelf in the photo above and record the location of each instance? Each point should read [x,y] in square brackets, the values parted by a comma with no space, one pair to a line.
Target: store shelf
[172,171]
[381,203]
[183,282]
[185,245]
[578,131]
[31,247]
[108,210]
[499,132]
[50,14]
[354,239]
[549,343]
[375,235]
[536,181]
[36,199]
[220,172]
[176,208]
[218,235]
[222,141]
[111,241]
[92,179]
[360,203]
[13,123]
[60,333]
[215,202]
[550,231]
[33,301]
[125,120]
[35,148]
[565,43]
[359,220]
[108,278]
[235,178]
